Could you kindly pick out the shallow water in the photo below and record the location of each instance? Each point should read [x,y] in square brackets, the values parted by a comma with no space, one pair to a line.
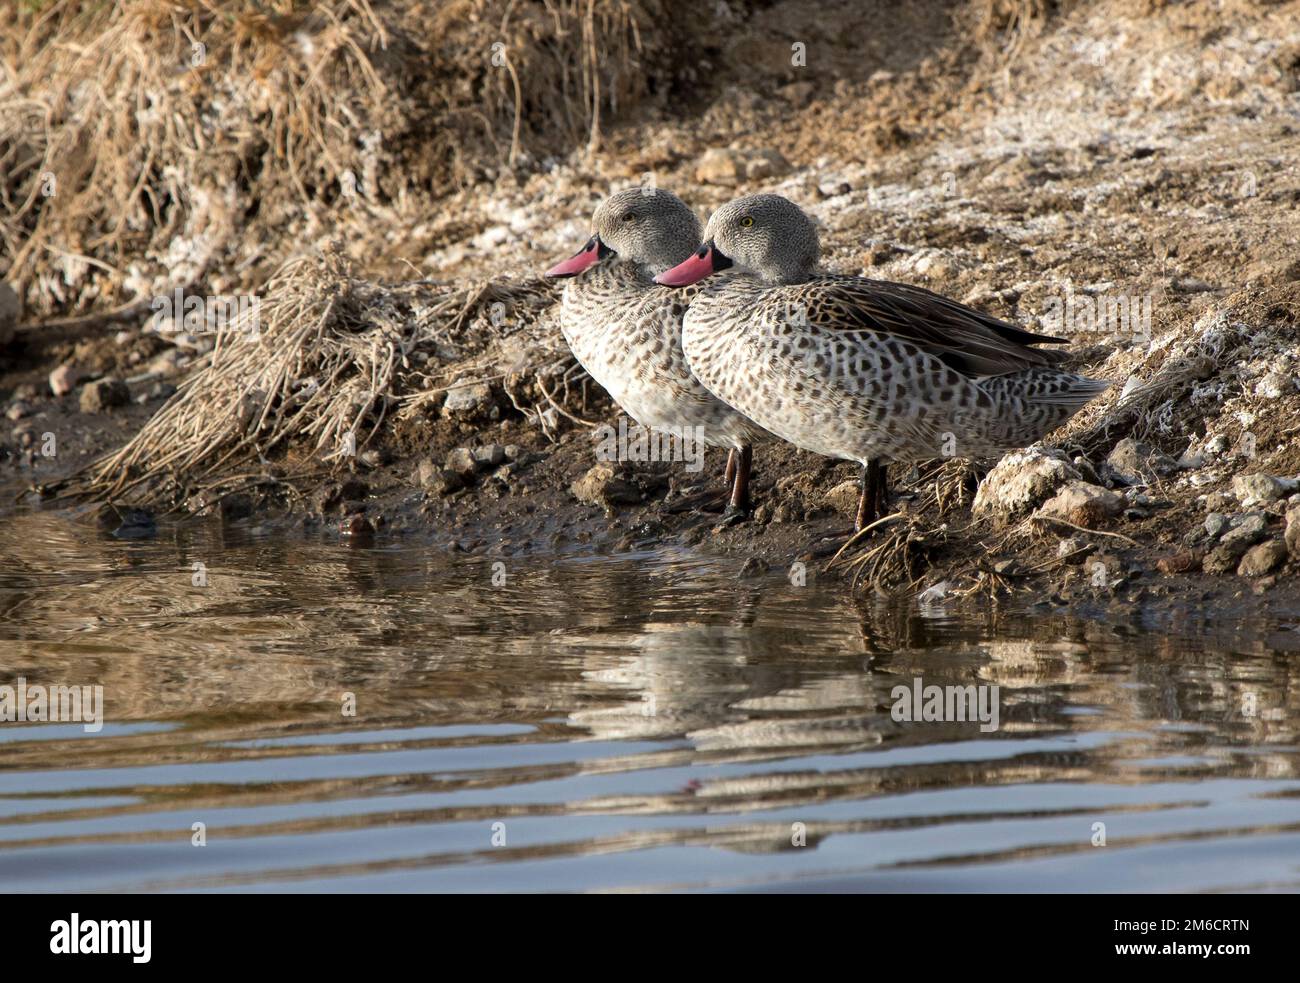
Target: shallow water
[632,722]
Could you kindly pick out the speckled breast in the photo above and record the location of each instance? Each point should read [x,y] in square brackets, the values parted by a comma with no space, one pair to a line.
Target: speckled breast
[626,332]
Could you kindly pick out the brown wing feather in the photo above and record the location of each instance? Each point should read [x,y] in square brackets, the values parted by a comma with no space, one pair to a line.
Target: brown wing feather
[970,341]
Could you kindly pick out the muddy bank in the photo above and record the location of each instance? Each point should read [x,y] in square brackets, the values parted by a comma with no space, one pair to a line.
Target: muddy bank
[1044,170]
[500,488]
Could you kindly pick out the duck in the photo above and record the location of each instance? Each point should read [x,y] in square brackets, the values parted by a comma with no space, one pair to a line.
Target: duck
[862,370]
[626,330]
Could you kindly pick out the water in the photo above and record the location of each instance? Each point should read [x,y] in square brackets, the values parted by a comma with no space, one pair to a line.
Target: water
[635,722]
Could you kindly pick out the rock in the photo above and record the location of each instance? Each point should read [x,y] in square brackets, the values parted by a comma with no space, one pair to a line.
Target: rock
[1293,530]
[936,264]
[467,401]
[1262,558]
[489,456]
[1234,544]
[786,512]
[1021,480]
[461,462]
[513,452]
[445,482]
[602,486]
[1219,502]
[18,409]
[1009,568]
[730,167]
[1086,471]
[755,566]
[1248,528]
[10,312]
[1216,524]
[1135,463]
[1074,549]
[167,364]
[356,526]
[1258,488]
[843,498]
[64,379]
[833,189]
[499,479]
[1184,562]
[104,394]
[1083,505]
[425,470]
[1275,385]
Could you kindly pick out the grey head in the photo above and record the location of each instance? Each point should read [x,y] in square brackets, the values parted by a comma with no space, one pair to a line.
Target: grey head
[765,235]
[647,226]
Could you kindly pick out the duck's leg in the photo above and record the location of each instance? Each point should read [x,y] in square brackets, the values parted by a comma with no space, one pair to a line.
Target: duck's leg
[864,506]
[701,501]
[882,489]
[740,490]
[875,492]
[738,507]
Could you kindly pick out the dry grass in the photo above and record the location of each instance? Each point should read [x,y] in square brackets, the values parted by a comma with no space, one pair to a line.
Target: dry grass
[332,357]
[138,130]
[890,554]
[147,144]
[552,70]
[893,558]
[1002,27]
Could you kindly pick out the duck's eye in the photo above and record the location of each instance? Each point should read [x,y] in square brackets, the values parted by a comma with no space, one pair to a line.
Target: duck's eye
[747,221]
[630,217]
